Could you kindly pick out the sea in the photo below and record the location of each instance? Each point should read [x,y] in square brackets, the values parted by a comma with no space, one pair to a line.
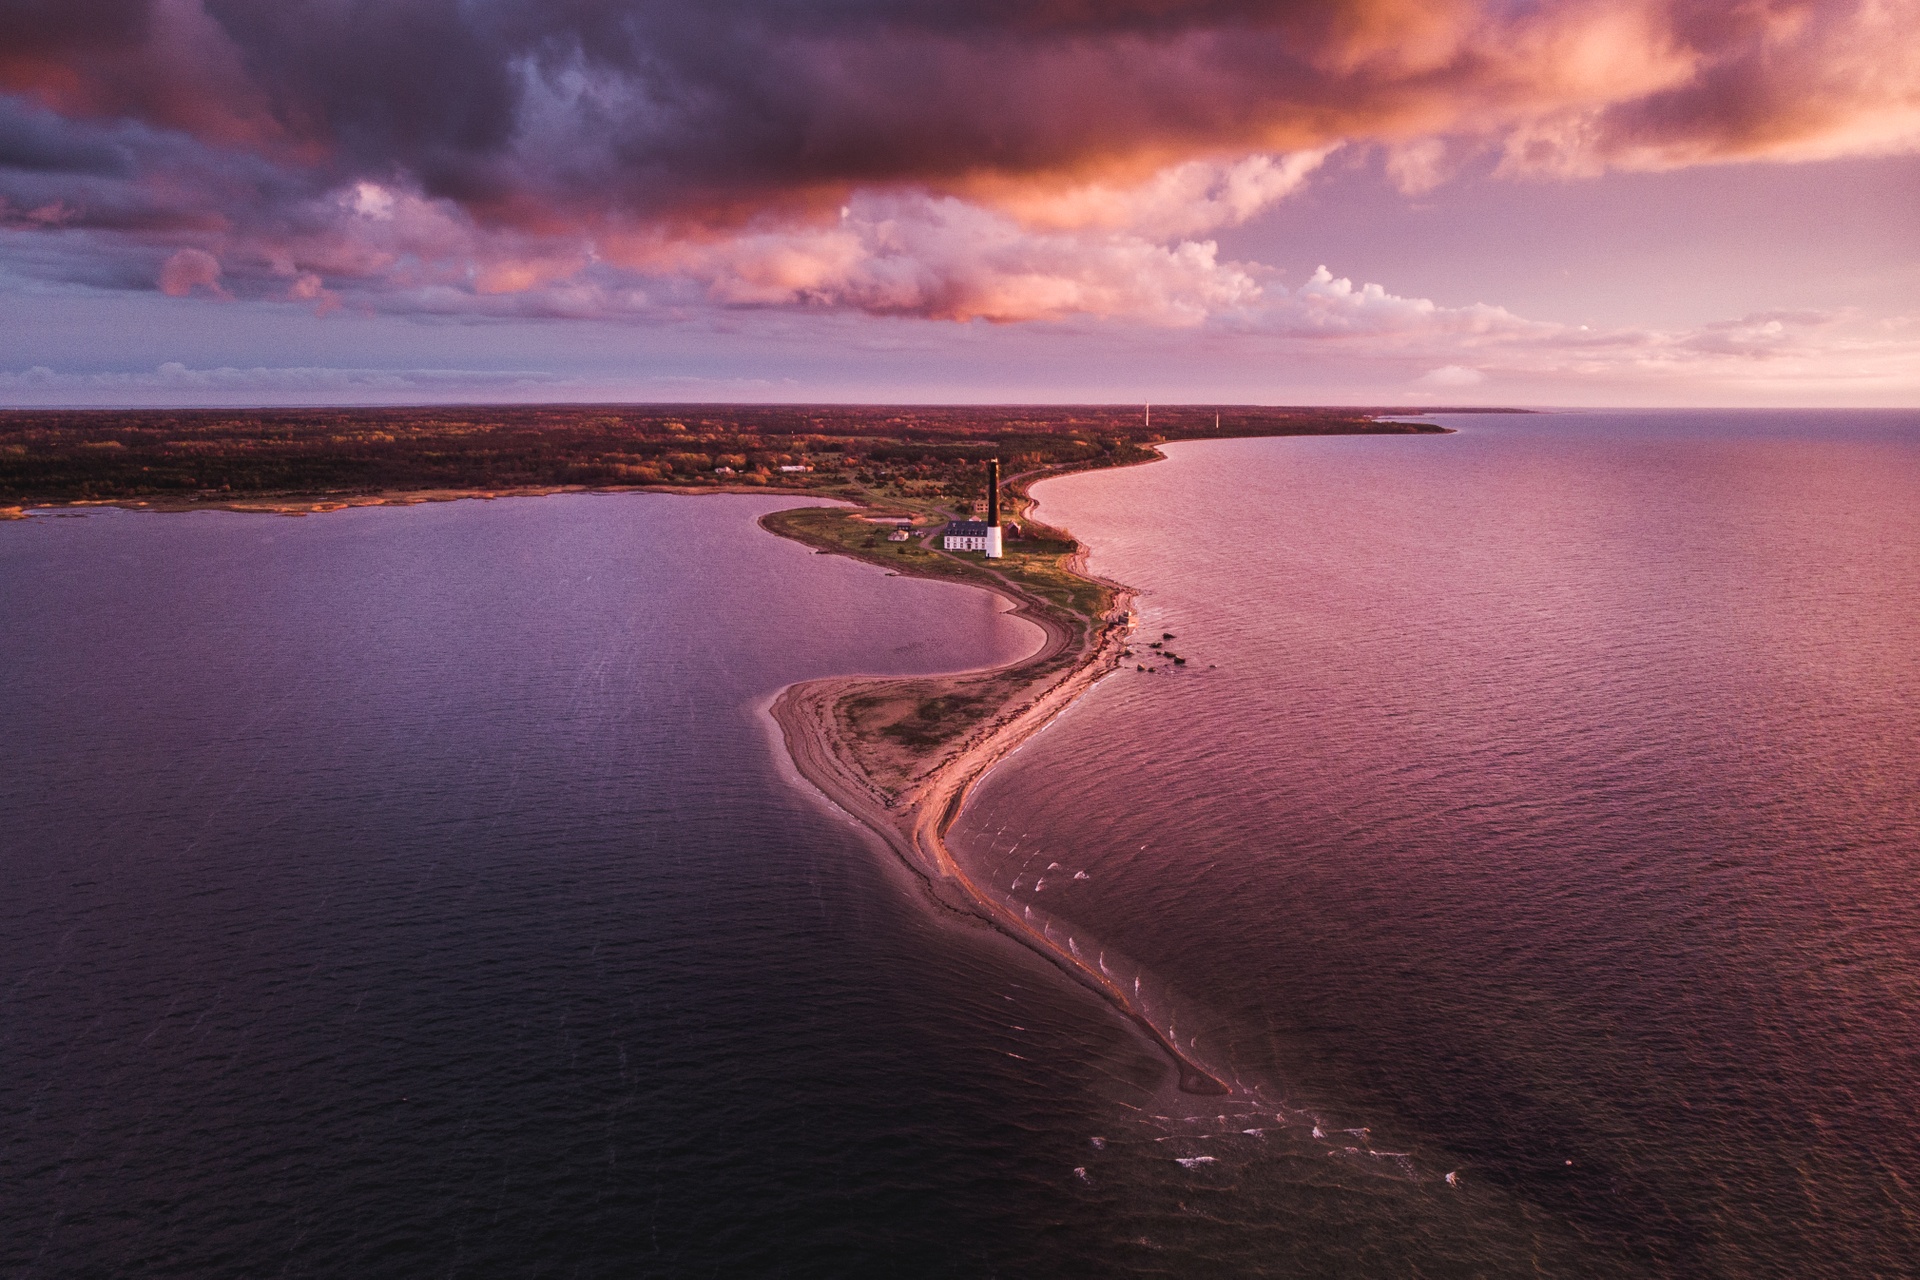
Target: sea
[1529,835]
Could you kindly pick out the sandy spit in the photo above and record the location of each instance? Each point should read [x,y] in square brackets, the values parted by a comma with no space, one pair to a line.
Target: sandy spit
[914,821]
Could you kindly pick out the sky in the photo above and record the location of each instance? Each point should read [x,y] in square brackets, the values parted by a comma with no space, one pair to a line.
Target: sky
[1384,202]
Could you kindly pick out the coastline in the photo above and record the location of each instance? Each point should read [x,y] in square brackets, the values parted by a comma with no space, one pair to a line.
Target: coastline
[911,809]
[324,504]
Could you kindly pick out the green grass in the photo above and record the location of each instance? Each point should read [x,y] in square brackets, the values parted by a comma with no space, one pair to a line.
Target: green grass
[1036,566]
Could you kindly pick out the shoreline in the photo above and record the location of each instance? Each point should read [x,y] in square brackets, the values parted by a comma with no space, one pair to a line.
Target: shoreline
[913,819]
[325,504]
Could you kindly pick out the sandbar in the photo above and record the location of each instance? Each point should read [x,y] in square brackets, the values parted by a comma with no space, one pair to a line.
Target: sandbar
[852,738]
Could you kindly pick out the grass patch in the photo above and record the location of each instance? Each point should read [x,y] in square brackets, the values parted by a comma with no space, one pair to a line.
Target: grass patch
[1037,565]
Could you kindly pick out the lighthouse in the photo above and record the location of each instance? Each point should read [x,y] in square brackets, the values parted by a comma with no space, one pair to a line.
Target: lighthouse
[993,509]
[975,535]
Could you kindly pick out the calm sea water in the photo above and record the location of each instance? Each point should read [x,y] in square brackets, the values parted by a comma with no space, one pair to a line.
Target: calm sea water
[1541,800]
[419,891]
[411,892]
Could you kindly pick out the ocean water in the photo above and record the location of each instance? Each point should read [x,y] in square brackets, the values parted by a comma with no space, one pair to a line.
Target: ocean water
[1539,805]
[417,891]
[421,890]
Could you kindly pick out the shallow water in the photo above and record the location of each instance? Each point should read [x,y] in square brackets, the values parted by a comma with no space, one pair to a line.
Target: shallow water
[1543,799]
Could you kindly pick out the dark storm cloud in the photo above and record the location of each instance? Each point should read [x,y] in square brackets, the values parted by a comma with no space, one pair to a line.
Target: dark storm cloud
[37,141]
[58,28]
[995,159]
[522,109]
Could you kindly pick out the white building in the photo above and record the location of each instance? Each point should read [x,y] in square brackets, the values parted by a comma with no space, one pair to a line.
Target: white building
[973,535]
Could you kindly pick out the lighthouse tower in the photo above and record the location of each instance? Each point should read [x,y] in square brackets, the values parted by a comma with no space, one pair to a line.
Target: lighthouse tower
[993,510]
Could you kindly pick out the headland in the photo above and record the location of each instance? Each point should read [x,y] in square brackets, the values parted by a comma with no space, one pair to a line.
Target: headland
[901,755]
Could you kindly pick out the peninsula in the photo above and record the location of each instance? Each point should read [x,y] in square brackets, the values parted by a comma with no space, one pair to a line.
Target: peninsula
[901,755]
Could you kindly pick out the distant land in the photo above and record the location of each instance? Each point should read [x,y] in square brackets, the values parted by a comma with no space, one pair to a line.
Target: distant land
[295,460]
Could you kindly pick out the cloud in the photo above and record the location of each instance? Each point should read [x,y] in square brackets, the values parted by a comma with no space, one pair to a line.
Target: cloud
[1791,80]
[1450,376]
[947,259]
[1449,349]
[523,108]
[1180,200]
[190,269]
[1768,353]
[176,383]
[1006,161]
[1419,166]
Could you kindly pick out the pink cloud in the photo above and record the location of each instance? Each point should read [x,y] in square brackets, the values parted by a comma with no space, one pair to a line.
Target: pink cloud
[1053,163]
[190,269]
[1450,376]
[544,112]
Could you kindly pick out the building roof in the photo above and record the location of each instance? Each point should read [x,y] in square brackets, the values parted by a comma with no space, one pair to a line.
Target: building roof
[967,529]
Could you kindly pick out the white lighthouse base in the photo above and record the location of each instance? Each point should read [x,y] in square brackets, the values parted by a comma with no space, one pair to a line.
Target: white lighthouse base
[993,542]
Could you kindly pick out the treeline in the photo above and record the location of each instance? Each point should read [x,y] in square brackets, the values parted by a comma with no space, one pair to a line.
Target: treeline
[64,455]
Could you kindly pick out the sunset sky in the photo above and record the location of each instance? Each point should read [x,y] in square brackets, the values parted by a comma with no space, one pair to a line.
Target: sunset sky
[1625,202]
